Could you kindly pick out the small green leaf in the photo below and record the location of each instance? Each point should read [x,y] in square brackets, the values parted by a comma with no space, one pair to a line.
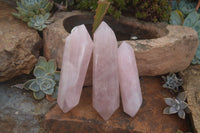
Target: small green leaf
[169,101]
[172,110]
[51,66]
[34,86]
[186,6]
[47,84]
[27,84]
[196,27]
[16,15]
[175,18]
[38,95]
[49,76]
[46,16]
[166,111]
[191,19]
[49,91]
[39,71]
[42,62]
[39,80]
[181,114]
[183,105]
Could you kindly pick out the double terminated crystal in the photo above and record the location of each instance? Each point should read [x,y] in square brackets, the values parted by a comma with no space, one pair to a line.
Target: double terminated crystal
[105,72]
[77,53]
[106,99]
[129,80]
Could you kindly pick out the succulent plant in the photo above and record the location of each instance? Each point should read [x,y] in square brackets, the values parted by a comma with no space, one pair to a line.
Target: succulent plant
[172,82]
[186,6]
[191,19]
[39,22]
[35,12]
[186,15]
[46,81]
[29,8]
[176,105]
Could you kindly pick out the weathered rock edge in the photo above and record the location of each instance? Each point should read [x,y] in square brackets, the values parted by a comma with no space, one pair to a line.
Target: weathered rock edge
[172,51]
[191,78]
[19,45]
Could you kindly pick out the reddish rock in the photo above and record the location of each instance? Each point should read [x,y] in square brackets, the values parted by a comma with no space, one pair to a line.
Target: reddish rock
[83,118]
[171,50]
[19,45]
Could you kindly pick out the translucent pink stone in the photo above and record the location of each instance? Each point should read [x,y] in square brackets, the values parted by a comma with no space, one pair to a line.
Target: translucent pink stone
[77,53]
[105,72]
[129,80]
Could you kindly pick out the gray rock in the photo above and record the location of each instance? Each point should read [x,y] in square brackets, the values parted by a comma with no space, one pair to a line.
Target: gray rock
[20,112]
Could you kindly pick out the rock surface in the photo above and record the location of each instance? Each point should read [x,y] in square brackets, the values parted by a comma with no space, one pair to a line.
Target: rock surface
[19,112]
[83,118]
[19,45]
[105,96]
[172,51]
[129,80]
[76,58]
[191,79]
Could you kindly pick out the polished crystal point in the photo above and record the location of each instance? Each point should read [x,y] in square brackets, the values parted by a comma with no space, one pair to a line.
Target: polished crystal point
[105,72]
[129,80]
[76,57]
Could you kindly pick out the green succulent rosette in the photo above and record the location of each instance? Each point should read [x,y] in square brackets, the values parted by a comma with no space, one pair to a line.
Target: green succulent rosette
[47,79]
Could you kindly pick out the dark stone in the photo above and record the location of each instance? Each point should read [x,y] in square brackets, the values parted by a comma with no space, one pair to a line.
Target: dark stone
[19,112]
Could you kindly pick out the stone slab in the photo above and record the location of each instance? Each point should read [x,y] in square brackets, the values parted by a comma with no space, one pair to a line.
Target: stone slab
[83,118]
[19,111]
[172,50]
[191,79]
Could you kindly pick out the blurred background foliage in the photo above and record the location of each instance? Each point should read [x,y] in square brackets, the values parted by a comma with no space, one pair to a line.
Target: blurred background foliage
[147,10]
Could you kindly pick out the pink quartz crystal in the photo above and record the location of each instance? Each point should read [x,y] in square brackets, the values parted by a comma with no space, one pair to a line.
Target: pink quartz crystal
[105,72]
[77,53]
[129,80]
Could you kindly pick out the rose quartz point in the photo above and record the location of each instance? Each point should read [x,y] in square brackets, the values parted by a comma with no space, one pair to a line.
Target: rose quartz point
[105,72]
[76,57]
[129,80]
